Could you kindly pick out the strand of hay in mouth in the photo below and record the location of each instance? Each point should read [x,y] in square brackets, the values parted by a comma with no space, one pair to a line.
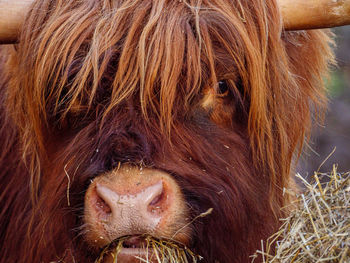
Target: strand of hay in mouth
[157,250]
[318,229]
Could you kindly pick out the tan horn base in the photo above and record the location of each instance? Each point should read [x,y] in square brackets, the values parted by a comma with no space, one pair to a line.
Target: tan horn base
[297,15]
[12,14]
[313,14]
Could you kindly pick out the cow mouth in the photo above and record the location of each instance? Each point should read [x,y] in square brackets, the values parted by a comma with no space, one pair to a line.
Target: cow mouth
[144,248]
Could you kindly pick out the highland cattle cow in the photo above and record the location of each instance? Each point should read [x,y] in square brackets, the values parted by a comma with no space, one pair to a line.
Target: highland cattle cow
[177,119]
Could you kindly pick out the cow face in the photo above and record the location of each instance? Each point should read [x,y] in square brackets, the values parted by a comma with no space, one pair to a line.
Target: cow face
[138,117]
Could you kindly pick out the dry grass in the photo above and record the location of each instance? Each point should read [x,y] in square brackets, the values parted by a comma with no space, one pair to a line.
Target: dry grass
[157,251]
[318,229]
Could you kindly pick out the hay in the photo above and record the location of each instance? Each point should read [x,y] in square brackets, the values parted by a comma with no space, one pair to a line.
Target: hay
[157,251]
[318,229]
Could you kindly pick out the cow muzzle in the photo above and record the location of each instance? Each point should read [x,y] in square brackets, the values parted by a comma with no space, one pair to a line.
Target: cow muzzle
[132,202]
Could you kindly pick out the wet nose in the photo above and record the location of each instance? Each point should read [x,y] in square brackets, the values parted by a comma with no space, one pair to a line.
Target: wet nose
[131,213]
[127,203]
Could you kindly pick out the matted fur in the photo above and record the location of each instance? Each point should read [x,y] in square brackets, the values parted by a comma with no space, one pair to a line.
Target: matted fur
[96,83]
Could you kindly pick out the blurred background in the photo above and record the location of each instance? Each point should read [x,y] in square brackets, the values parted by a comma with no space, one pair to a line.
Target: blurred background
[336,132]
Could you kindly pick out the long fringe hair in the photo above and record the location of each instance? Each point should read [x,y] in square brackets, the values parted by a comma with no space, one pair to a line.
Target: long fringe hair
[78,61]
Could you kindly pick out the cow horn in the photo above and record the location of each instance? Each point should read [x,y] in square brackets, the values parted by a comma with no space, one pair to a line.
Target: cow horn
[297,15]
[12,14]
[312,14]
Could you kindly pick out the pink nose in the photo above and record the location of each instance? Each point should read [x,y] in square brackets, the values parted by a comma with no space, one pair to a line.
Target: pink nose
[129,214]
[132,202]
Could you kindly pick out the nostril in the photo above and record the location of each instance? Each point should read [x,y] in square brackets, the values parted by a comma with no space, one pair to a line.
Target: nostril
[157,204]
[102,205]
[157,200]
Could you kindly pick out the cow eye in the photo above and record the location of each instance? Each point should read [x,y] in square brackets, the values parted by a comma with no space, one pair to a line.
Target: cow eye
[222,87]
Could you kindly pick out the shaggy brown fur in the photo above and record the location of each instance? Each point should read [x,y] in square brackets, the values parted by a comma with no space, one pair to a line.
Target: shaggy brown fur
[95,83]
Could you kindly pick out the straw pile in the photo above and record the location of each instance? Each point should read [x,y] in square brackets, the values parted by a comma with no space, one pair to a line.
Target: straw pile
[318,229]
[157,251]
